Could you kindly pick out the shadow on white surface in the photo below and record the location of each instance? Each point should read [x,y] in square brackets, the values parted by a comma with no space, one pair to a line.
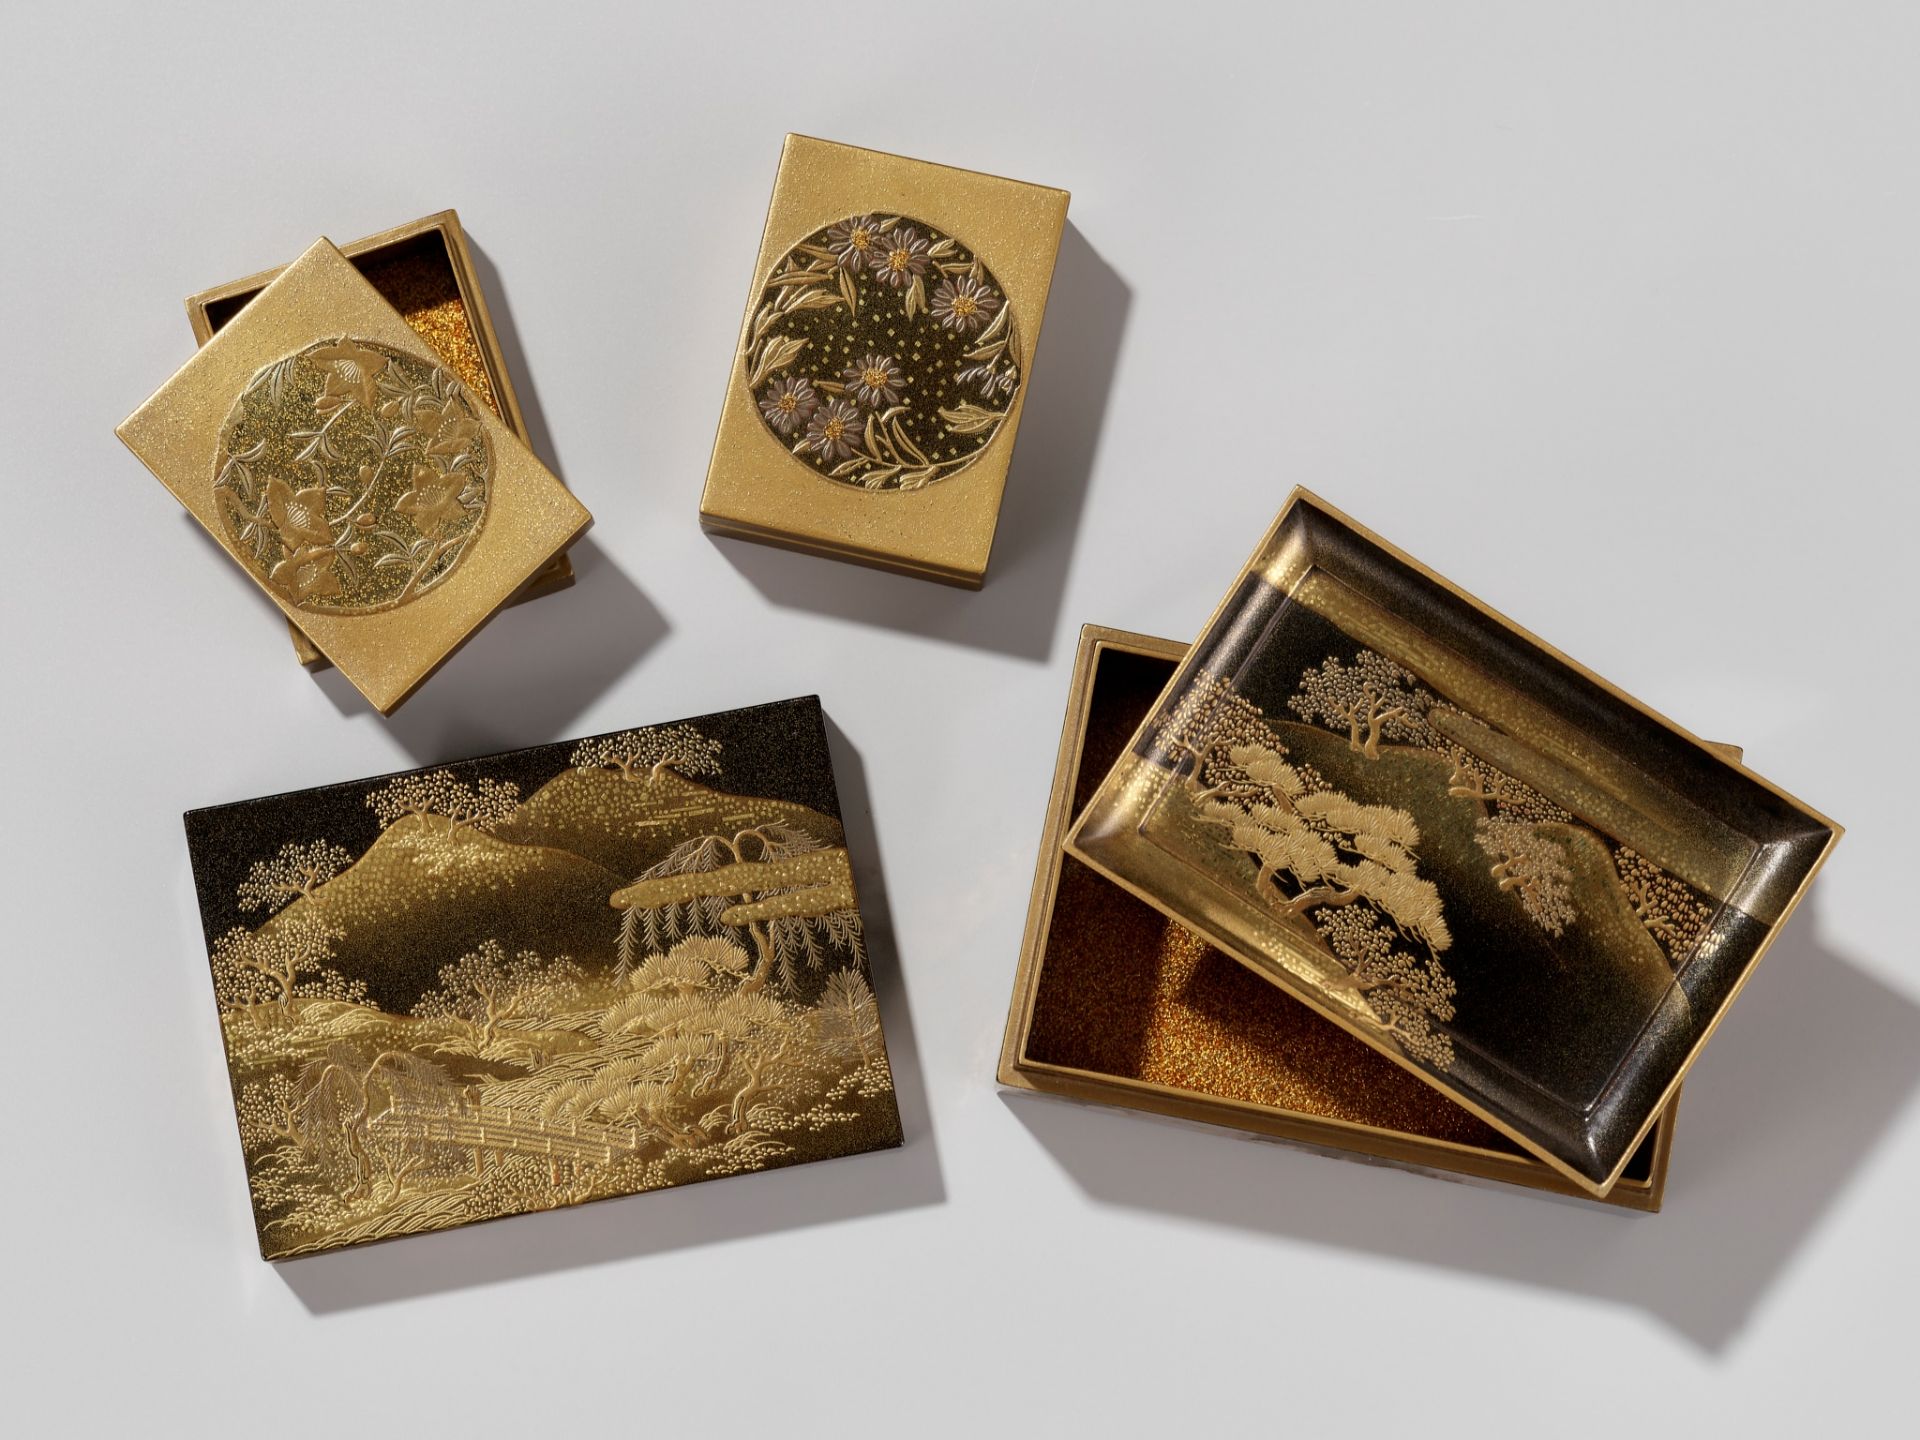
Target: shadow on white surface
[708,1213]
[567,647]
[1017,612]
[539,437]
[529,672]
[1803,1079]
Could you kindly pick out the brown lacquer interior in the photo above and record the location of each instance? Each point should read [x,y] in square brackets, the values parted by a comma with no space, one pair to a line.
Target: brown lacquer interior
[416,277]
[1127,993]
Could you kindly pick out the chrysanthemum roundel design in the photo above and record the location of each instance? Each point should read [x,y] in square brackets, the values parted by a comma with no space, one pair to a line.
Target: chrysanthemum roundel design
[882,353]
[352,477]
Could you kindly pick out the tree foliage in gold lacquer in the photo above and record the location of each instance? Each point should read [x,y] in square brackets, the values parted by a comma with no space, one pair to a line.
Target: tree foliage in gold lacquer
[731,1031]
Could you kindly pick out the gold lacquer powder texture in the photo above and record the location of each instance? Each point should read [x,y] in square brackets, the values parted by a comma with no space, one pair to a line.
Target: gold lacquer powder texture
[419,284]
[1126,992]
[352,476]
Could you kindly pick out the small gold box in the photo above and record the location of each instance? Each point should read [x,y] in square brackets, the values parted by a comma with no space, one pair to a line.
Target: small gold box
[424,270]
[1119,1005]
[1529,890]
[353,477]
[873,401]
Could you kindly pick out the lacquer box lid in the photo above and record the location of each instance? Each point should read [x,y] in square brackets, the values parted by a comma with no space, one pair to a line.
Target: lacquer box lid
[352,476]
[883,361]
[526,981]
[1500,871]
[425,270]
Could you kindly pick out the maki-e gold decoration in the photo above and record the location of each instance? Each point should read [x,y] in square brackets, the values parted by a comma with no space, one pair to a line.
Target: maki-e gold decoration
[423,269]
[393,472]
[353,476]
[883,362]
[541,978]
[1502,873]
[884,354]
[1119,1004]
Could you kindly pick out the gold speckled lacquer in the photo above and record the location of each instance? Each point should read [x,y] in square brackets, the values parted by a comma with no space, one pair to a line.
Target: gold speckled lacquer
[352,475]
[1117,1004]
[542,978]
[422,269]
[874,396]
[1500,872]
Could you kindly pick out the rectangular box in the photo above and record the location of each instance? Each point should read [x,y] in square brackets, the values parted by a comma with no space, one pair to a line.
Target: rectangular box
[1501,872]
[540,978]
[872,405]
[353,477]
[1116,1004]
[424,270]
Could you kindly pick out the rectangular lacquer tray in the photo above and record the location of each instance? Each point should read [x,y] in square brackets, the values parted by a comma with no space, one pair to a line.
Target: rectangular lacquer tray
[1473,853]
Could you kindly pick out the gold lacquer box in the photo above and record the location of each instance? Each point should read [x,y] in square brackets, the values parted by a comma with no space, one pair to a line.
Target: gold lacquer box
[1524,888]
[353,476]
[535,979]
[1116,1003]
[871,410]
[424,270]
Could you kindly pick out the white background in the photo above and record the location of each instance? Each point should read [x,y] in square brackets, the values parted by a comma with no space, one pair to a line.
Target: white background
[1608,313]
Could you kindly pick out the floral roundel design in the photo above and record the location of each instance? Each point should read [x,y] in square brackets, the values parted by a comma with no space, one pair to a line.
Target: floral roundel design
[352,477]
[882,354]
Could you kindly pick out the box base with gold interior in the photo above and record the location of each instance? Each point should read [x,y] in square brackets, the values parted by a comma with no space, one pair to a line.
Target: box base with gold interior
[1118,1005]
[1527,890]
[425,271]
[362,484]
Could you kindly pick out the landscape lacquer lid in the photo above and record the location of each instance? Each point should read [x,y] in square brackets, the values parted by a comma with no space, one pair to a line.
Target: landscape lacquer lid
[522,982]
[351,475]
[1497,869]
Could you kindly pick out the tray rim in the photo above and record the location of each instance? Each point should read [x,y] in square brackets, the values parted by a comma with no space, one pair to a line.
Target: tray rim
[1338,1139]
[1302,498]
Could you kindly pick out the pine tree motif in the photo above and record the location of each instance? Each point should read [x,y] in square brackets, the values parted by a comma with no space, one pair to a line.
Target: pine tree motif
[1326,860]
[296,873]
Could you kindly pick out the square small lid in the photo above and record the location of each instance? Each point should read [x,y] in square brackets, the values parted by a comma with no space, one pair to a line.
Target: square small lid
[327,449]
[1508,876]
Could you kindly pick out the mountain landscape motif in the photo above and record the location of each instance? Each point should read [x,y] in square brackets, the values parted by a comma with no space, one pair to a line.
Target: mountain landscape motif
[445,1001]
[1431,895]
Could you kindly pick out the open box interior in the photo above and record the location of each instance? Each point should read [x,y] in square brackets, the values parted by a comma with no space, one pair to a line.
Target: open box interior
[416,276]
[1118,1003]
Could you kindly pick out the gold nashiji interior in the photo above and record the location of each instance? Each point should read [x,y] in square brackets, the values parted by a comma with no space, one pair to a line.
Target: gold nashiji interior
[1120,1004]
[415,276]
[346,469]
[424,270]
[1507,876]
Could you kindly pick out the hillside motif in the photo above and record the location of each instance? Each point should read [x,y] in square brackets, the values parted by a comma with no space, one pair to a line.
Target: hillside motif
[626,813]
[427,887]
[466,1020]
[1444,899]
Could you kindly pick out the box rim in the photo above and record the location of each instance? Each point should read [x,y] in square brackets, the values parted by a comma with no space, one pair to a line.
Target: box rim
[1302,498]
[323,253]
[558,573]
[1340,1138]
